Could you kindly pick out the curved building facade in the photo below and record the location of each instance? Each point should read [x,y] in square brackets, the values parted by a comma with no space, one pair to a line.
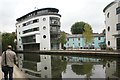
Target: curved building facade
[112,22]
[38,30]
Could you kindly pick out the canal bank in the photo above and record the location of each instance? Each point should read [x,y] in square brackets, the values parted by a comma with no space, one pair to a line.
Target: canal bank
[75,52]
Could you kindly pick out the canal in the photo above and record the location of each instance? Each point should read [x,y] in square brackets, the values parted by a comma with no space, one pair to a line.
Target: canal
[65,66]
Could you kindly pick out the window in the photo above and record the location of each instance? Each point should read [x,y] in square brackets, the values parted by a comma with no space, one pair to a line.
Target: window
[30,22]
[118,26]
[44,27]
[99,38]
[45,68]
[44,36]
[68,45]
[44,19]
[108,14]
[54,21]
[108,42]
[28,39]
[36,20]
[44,48]
[35,29]
[79,44]
[19,46]
[67,39]
[118,10]
[24,24]
[31,30]
[108,28]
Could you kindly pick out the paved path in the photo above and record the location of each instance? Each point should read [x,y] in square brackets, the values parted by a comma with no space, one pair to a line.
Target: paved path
[16,74]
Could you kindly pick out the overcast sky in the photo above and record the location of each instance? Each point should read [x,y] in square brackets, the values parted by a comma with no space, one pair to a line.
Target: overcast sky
[90,11]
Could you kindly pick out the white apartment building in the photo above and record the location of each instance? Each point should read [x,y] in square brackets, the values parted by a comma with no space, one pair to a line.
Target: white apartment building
[38,30]
[112,22]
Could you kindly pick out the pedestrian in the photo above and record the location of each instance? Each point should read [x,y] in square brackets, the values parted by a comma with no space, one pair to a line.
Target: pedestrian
[8,60]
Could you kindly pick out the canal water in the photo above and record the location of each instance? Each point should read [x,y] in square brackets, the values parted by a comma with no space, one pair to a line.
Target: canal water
[62,66]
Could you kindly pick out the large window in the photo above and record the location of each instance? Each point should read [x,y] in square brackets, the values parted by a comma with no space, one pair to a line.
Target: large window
[28,39]
[30,22]
[118,26]
[31,30]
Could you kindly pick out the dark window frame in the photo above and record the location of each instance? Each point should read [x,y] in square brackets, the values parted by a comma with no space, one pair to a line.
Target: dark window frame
[108,28]
[108,43]
[108,15]
[118,26]
[118,10]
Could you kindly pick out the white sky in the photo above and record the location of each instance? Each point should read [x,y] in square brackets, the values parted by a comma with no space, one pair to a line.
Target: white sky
[90,11]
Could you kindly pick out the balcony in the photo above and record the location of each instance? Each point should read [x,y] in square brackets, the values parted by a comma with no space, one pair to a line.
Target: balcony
[54,30]
[55,21]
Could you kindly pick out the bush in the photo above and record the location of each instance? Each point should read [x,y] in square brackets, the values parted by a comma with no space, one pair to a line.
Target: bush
[103,46]
[109,49]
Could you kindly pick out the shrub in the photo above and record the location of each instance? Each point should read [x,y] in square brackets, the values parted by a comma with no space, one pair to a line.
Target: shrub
[109,49]
[103,46]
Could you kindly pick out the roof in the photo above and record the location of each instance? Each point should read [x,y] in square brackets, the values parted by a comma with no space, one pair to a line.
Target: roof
[50,9]
[109,5]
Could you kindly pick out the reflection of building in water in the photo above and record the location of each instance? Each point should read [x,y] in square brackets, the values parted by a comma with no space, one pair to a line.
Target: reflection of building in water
[47,66]
[39,30]
[111,69]
[42,66]
[35,65]
[118,68]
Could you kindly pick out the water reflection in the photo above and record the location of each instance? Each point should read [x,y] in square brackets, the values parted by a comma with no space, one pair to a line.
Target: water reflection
[57,66]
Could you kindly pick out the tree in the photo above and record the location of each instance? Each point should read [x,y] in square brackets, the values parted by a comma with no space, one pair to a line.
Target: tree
[87,34]
[86,68]
[8,39]
[62,39]
[78,28]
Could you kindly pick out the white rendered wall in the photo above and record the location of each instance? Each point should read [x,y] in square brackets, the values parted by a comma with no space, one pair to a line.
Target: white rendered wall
[111,21]
[45,42]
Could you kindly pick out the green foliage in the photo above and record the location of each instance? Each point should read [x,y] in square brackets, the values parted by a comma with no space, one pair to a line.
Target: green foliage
[87,34]
[8,39]
[82,69]
[62,38]
[58,65]
[103,46]
[78,28]
[109,49]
